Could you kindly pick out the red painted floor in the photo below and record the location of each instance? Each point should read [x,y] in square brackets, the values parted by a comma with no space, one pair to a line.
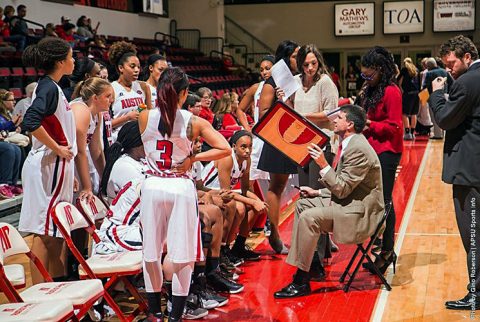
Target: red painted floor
[328,301]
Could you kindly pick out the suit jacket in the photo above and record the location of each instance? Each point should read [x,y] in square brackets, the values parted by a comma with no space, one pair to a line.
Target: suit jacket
[356,189]
[459,115]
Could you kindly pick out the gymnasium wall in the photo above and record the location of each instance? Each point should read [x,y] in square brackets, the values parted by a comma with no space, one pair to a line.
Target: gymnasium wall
[115,23]
[310,22]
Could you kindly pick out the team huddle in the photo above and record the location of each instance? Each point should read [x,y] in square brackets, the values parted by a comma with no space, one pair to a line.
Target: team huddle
[176,189]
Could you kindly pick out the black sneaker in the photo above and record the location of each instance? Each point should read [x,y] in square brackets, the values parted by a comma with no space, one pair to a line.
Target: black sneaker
[236,261]
[246,254]
[225,263]
[207,296]
[267,229]
[157,317]
[221,284]
[191,311]
[231,275]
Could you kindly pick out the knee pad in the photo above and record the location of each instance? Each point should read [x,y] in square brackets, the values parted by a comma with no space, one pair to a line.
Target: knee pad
[206,239]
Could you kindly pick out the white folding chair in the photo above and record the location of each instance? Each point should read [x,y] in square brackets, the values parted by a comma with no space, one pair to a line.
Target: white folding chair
[81,294]
[58,311]
[114,267]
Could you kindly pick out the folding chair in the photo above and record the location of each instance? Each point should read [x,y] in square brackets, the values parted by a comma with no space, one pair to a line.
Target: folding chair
[58,311]
[16,275]
[365,251]
[114,267]
[96,209]
[81,294]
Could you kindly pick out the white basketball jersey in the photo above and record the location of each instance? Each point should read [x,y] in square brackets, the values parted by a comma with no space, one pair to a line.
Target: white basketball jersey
[256,99]
[92,125]
[210,174]
[123,171]
[153,91]
[125,207]
[197,168]
[60,125]
[107,120]
[126,101]
[162,153]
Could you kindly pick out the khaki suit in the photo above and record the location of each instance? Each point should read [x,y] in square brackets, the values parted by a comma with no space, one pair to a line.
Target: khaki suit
[353,210]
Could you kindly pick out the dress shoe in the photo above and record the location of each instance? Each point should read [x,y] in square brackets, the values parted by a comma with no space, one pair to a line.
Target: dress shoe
[293,290]
[382,261]
[469,302]
[317,273]
[278,246]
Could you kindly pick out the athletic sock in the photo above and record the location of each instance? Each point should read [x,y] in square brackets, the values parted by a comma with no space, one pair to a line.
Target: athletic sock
[212,264]
[153,299]
[178,305]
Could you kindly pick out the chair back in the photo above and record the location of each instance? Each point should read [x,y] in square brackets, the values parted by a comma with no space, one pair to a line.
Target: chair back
[68,218]
[94,209]
[388,209]
[11,242]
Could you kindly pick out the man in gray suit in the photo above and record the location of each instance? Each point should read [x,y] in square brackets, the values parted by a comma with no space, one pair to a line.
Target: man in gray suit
[351,205]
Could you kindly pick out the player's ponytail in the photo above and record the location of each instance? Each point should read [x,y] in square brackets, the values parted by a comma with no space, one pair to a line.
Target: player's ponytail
[46,54]
[128,138]
[171,83]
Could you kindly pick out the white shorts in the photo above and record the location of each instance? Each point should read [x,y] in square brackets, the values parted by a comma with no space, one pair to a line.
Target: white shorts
[47,180]
[169,212]
[118,238]
[255,173]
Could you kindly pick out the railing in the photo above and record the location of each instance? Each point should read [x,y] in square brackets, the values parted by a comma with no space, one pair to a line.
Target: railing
[173,27]
[214,53]
[207,44]
[236,51]
[188,38]
[237,34]
[174,41]
[253,60]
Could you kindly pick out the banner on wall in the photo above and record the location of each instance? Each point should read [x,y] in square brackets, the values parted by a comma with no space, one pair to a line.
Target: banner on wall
[153,6]
[453,15]
[355,19]
[401,17]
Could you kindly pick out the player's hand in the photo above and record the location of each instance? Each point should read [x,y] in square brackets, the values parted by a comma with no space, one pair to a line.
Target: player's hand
[76,185]
[86,194]
[438,83]
[260,206]
[133,115]
[307,192]
[226,195]
[65,152]
[183,167]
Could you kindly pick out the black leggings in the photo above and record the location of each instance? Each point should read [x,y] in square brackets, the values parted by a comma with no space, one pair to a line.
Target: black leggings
[389,162]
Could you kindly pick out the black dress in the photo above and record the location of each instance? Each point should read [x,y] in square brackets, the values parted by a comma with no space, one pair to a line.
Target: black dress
[272,160]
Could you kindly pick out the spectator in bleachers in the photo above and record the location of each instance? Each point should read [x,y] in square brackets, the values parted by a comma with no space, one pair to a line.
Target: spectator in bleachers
[131,95]
[8,122]
[224,115]
[156,64]
[192,104]
[18,25]
[50,30]
[59,28]
[84,69]
[22,105]
[68,35]
[19,40]
[82,28]
[10,159]
[205,95]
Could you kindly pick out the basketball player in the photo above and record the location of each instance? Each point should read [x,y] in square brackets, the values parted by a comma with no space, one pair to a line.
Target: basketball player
[225,174]
[169,202]
[124,173]
[48,172]
[131,95]
[92,98]
[156,64]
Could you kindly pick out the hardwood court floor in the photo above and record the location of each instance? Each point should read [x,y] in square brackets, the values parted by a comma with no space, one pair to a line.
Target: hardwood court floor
[431,268]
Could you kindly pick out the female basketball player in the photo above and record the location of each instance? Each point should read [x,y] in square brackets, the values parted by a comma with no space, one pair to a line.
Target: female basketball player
[131,95]
[92,98]
[48,171]
[169,202]
[156,64]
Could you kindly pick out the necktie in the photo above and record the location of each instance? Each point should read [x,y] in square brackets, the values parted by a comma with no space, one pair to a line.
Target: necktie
[337,157]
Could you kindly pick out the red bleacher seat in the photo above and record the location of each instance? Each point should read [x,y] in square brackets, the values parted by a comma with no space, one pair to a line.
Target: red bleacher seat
[17,93]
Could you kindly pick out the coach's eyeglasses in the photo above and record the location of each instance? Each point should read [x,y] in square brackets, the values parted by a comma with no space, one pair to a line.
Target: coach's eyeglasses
[368,77]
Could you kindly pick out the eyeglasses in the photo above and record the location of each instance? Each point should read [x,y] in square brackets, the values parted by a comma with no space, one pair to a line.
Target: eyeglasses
[12,100]
[368,77]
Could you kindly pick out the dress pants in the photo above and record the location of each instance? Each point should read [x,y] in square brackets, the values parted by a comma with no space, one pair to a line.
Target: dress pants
[313,216]
[466,201]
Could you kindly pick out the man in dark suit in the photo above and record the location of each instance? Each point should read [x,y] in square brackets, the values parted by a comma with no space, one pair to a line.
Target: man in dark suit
[459,115]
[351,205]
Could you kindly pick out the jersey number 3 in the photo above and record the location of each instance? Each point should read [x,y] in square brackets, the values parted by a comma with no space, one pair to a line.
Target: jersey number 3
[166,150]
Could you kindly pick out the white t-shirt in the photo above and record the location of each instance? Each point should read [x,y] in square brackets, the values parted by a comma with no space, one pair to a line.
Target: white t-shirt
[126,101]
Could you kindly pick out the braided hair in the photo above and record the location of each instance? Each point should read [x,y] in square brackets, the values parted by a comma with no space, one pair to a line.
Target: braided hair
[46,53]
[380,59]
[128,138]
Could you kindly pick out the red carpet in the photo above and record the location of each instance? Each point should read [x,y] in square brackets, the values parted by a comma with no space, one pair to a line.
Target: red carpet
[328,301]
